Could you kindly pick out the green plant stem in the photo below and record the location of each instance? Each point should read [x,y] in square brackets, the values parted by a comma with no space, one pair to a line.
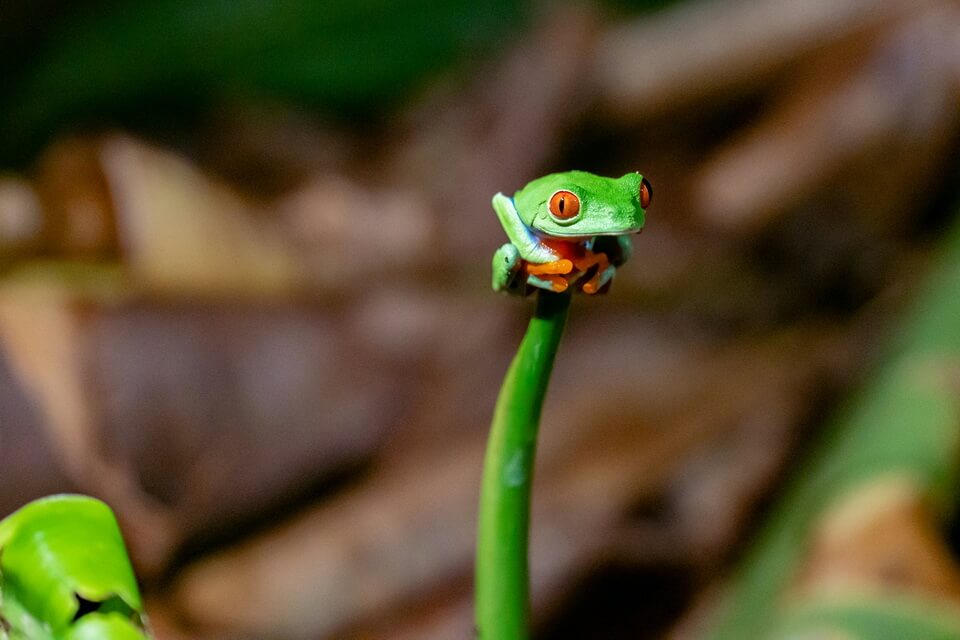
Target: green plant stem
[502,583]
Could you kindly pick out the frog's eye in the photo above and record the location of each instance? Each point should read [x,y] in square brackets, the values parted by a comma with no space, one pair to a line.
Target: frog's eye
[564,205]
[646,193]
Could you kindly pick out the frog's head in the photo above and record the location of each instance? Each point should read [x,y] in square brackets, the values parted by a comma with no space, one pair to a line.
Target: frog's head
[577,204]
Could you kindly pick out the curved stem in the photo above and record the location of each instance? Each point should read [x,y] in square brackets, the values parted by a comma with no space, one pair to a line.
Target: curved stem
[502,589]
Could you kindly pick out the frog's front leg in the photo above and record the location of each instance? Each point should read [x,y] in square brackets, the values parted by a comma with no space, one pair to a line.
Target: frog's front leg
[506,269]
[527,244]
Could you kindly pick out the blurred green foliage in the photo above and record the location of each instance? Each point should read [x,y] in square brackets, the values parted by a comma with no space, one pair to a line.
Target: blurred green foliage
[109,62]
[904,424]
[146,62]
[640,6]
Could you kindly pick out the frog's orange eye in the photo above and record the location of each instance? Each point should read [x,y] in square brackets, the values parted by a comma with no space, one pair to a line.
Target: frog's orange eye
[646,193]
[564,205]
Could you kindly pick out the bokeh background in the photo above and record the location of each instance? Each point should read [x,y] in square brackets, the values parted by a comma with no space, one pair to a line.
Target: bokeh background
[245,295]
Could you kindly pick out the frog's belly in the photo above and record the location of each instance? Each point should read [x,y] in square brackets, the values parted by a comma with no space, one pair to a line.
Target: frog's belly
[566,249]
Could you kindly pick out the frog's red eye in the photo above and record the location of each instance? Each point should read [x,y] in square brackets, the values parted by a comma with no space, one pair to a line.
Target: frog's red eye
[646,193]
[564,205]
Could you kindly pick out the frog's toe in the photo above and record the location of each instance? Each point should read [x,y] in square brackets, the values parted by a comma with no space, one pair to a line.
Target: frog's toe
[557,267]
[600,280]
[557,284]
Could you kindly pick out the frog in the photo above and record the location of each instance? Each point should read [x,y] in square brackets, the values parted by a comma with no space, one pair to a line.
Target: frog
[568,231]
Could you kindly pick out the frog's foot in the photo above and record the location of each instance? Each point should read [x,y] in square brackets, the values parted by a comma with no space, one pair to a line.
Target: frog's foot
[555,283]
[557,267]
[506,268]
[599,281]
[604,271]
[591,259]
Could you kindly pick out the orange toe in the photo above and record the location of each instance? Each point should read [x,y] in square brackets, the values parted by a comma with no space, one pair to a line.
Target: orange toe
[550,268]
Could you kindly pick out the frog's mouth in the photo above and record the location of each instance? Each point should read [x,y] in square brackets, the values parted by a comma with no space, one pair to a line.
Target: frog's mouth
[582,234]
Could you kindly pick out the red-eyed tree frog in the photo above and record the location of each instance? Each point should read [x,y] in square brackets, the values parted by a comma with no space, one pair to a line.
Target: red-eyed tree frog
[568,229]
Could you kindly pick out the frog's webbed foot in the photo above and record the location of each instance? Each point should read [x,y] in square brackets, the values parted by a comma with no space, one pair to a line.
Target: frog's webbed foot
[598,283]
[549,275]
[603,271]
[555,283]
[557,267]
[590,273]
[518,277]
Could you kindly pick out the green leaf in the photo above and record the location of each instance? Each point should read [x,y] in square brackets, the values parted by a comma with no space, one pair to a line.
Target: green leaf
[65,573]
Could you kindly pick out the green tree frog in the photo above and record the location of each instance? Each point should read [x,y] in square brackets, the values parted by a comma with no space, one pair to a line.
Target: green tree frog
[568,229]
